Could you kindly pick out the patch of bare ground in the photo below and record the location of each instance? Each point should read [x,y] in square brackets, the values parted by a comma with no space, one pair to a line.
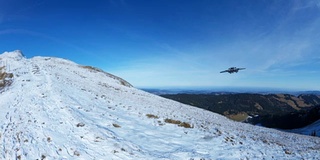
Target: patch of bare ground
[179,123]
[5,78]
[241,116]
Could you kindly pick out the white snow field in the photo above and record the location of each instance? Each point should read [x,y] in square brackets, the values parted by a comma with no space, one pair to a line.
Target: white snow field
[56,109]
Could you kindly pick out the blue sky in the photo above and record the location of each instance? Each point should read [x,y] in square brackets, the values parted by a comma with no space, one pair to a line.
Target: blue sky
[174,43]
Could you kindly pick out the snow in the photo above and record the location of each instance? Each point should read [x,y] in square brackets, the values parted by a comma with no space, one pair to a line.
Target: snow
[308,130]
[57,109]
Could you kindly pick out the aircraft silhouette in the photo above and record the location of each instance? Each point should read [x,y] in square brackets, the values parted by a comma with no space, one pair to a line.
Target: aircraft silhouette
[232,70]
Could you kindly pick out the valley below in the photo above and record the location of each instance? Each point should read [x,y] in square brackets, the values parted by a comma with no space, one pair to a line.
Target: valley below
[280,111]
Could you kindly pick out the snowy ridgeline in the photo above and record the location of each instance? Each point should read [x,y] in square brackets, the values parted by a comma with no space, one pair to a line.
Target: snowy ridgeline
[56,109]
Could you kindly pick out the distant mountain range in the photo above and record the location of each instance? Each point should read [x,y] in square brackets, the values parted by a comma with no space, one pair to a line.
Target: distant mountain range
[230,90]
[270,110]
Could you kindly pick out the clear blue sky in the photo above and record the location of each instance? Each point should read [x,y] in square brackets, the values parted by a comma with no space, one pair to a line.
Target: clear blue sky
[174,43]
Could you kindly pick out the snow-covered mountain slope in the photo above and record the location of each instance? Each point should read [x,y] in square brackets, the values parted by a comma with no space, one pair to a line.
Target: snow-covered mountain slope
[313,128]
[56,109]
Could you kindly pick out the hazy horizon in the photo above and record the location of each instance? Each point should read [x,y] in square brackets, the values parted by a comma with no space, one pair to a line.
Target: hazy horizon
[227,89]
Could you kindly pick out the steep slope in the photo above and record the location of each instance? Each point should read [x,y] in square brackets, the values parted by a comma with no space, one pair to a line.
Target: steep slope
[56,109]
[289,121]
[312,129]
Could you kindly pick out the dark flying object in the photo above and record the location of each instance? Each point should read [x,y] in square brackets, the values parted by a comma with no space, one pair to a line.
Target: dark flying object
[232,70]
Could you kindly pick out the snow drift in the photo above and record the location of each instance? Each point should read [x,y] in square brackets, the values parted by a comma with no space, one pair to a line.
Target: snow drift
[56,109]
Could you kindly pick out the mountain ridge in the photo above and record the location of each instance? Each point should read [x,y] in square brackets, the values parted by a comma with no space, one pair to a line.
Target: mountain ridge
[56,109]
